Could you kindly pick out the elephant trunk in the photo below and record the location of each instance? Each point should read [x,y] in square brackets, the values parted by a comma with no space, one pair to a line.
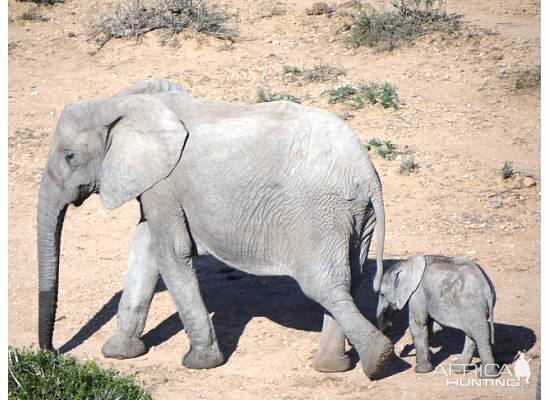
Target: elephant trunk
[51,213]
[382,318]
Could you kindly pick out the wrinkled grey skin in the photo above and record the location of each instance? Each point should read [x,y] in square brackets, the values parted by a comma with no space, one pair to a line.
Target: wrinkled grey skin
[274,188]
[454,292]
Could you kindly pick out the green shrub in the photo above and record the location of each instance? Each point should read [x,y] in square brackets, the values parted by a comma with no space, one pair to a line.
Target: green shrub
[33,15]
[357,96]
[385,149]
[409,19]
[506,171]
[408,166]
[46,376]
[265,95]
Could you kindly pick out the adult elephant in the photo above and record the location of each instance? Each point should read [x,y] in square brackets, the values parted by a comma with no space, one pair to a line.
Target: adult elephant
[275,189]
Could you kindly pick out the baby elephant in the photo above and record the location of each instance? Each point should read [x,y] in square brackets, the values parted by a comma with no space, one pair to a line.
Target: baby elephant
[454,292]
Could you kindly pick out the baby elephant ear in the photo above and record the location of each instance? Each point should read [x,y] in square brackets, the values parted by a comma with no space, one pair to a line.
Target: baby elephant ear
[142,147]
[407,278]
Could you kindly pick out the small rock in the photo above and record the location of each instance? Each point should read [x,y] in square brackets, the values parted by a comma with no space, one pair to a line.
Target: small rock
[497,203]
[71,34]
[528,182]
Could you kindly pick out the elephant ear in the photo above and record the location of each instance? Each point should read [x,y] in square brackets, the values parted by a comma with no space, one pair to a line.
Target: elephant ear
[407,277]
[143,146]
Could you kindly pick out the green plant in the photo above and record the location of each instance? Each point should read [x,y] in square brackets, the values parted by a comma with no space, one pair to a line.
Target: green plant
[48,376]
[506,171]
[133,19]
[33,15]
[384,148]
[340,94]
[265,95]
[11,46]
[357,96]
[409,19]
[408,166]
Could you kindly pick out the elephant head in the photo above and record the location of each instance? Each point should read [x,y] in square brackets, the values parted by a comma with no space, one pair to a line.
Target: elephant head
[110,147]
[399,282]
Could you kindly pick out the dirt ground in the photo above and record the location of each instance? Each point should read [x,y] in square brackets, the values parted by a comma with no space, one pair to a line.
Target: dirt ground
[470,102]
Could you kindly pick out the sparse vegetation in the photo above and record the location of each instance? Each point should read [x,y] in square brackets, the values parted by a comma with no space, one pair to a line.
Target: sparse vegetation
[265,95]
[270,9]
[133,19]
[45,375]
[385,149]
[33,15]
[408,166]
[506,171]
[317,73]
[323,72]
[11,46]
[357,96]
[409,19]
[46,2]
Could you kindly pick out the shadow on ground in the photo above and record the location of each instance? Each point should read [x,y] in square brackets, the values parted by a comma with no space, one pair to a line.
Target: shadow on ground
[236,297]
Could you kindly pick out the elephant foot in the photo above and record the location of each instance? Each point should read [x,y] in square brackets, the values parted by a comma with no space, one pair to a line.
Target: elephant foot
[489,372]
[203,358]
[375,353]
[331,363]
[423,368]
[122,347]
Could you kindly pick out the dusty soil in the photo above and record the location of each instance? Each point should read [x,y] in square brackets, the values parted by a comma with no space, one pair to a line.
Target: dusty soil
[461,117]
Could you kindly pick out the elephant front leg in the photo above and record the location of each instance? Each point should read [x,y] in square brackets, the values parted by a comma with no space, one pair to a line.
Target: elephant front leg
[139,288]
[173,250]
[331,355]
[418,322]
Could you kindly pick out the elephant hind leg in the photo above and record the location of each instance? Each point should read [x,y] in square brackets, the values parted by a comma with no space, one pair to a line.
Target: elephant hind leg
[461,365]
[333,293]
[139,288]
[331,355]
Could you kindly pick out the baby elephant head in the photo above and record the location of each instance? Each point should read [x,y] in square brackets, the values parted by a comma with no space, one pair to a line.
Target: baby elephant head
[399,282]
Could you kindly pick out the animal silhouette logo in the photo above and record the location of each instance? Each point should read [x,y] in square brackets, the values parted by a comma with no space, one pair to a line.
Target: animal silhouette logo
[522,368]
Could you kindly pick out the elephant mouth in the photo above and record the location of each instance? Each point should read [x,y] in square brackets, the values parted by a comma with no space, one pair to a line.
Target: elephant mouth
[83,194]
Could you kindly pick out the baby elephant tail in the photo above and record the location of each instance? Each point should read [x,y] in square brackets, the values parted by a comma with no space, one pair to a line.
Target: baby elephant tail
[491,322]
[491,300]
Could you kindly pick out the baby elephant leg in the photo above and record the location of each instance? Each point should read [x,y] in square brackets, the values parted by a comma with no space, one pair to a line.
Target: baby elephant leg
[460,365]
[139,288]
[331,356]
[418,322]
[482,337]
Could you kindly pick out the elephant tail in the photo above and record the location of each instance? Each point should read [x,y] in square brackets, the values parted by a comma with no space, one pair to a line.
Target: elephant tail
[491,300]
[378,205]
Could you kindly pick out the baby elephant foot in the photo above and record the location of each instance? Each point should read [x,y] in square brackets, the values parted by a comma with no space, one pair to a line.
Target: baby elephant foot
[375,353]
[203,358]
[489,371]
[123,347]
[331,363]
[424,367]
[459,367]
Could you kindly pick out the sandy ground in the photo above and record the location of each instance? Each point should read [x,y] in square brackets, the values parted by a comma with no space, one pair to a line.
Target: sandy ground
[461,117]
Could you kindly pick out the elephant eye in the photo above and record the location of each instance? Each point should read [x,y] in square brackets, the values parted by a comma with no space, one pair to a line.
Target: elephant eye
[70,158]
